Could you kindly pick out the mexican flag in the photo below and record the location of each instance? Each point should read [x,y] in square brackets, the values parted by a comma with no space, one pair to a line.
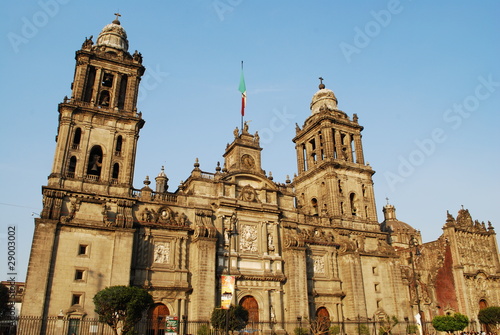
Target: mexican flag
[243,90]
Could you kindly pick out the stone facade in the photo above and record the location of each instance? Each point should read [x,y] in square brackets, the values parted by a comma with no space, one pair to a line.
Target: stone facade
[297,249]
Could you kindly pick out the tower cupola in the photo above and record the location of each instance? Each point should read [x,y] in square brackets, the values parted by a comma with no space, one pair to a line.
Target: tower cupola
[113,36]
[324,97]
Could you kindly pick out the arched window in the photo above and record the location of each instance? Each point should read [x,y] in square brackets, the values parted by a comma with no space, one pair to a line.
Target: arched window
[123,91]
[156,316]
[77,138]
[352,200]
[353,150]
[89,84]
[116,171]
[107,80]
[314,204]
[72,167]
[104,98]
[251,305]
[118,147]
[95,162]
[304,157]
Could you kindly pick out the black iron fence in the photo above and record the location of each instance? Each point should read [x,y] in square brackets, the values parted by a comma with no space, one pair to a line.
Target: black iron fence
[64,326]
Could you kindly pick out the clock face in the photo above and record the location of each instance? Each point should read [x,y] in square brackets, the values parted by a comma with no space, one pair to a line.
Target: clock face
[247,162]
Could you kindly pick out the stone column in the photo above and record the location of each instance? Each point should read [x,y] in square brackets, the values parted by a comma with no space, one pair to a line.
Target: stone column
[359,149]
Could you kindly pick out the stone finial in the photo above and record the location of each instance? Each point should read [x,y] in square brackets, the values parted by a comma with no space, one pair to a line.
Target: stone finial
[321,85]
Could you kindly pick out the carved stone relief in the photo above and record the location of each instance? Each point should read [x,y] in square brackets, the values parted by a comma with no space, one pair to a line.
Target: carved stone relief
[248,241]
[162,253]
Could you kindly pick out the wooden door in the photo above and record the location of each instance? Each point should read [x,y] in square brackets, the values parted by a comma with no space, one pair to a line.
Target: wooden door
[251,305]
[157,316]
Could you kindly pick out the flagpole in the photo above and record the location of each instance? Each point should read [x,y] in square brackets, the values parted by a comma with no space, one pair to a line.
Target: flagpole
[242,114]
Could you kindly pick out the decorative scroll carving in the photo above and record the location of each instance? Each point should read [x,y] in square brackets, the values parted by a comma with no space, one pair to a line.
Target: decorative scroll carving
[293,239]
[73,208]
[204,224]
[164,216]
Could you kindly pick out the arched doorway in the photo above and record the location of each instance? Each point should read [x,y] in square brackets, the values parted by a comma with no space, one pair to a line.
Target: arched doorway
[251,305]
[322,319]
[156,316]
[482,305]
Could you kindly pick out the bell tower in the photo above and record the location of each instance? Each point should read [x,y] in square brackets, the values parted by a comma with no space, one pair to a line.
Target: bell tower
[99,125]
[86,225]
[333,179]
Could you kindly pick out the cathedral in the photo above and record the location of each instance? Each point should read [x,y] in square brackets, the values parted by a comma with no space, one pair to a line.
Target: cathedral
[309,247]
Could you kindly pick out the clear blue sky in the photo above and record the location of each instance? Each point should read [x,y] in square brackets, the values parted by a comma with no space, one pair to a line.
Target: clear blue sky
[423,77]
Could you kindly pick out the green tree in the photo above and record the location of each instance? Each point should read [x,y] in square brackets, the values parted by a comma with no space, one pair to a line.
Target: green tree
[387,324]
[450,323]
[411,329]
[335,330]
[122,306]
[238,318]
[300,331]
[490,316]
[363,329]
[203,330]
[4,301]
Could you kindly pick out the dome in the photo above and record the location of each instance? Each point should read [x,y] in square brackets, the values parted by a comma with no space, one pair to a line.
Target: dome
[324,97]
[400,232]
[391,223]
[162,173]
[113,36]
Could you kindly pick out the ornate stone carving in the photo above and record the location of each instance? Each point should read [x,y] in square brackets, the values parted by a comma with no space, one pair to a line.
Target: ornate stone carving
[247,162]
[270,242]
[248,241]
[204,225]
[248,194]
[162,253]
[318,264]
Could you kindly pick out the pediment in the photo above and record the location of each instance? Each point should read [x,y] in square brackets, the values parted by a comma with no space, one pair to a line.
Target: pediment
[255,181]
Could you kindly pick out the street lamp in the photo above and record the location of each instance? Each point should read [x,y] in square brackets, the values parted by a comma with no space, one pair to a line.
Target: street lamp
[230,233]
[414,245]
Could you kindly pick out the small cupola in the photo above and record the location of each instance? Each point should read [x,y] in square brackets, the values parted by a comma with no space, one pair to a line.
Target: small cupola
[161,181]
